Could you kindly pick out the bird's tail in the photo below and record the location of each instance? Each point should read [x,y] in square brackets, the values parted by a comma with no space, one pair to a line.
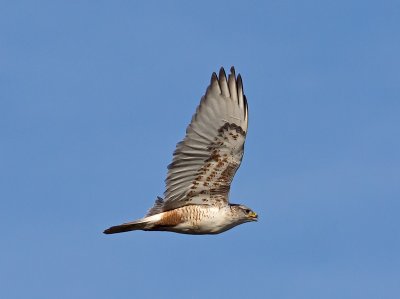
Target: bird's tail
[126,227]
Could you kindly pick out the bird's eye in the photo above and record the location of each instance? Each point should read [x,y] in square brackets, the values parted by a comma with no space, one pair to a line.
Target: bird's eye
[247,211]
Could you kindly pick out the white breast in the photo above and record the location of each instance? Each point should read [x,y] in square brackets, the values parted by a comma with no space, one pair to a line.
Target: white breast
[203,219]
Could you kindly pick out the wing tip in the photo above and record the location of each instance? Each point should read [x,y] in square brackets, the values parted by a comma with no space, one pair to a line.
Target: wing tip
[231,86]
[239,80]
[222,74]
[214,77]
[233,72]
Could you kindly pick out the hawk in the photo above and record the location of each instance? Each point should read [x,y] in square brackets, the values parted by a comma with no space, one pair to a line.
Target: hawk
[196,200]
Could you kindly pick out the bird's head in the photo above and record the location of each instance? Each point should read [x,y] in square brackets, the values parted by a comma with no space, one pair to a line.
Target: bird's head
[245,214]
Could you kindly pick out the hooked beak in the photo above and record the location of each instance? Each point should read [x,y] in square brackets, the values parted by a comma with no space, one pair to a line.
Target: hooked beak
[253,216]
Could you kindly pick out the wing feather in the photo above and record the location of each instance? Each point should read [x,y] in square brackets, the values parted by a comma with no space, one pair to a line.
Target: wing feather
[206,160]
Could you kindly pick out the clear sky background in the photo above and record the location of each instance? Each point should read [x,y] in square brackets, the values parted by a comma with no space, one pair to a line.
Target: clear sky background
[94,96]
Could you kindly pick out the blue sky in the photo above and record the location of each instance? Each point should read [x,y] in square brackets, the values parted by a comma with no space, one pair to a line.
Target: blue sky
[95,94]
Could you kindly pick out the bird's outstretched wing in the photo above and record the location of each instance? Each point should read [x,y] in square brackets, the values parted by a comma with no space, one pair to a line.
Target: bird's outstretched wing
[205,162]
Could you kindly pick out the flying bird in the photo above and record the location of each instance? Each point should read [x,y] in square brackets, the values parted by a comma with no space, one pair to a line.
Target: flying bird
[196,199]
